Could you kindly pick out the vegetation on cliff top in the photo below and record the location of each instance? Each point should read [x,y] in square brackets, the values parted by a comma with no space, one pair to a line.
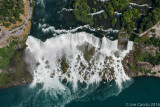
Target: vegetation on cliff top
[83,8]
[119,4]
[148,57]
[148,41]
[128,19]
[10,11]
[8,52]
[151,18]
[141,61]
[131,16]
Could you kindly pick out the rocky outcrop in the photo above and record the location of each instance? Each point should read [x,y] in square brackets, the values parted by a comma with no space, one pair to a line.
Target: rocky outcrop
[135,66]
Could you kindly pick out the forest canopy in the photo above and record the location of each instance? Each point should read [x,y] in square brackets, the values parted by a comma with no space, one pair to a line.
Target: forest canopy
[81,10]
[10,11]
[129,18]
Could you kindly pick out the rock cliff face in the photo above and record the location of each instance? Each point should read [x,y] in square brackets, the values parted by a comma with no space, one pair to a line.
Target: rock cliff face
[14,69]
[142,61]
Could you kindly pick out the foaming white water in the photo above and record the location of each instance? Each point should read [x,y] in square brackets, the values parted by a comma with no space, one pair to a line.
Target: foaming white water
[55,31]
[61,31]
[79,57]
[118,14]
[103,0]
[96,13]
[65,9]
[143,5]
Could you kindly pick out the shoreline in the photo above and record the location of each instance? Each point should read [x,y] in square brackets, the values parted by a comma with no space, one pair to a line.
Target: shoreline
[144,76]
[6,41]
[28,83]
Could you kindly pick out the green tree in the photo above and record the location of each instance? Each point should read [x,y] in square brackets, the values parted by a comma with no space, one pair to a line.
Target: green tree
[128,19]
[81,11]
[120,4]
[109,9]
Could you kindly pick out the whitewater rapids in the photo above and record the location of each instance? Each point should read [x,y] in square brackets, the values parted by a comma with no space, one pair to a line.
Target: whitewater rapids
[71,51]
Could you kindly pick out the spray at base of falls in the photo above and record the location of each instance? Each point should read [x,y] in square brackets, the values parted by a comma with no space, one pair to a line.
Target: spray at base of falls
[64,62]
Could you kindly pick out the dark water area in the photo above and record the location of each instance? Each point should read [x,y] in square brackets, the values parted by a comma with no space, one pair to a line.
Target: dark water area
[143,90]
[49,16]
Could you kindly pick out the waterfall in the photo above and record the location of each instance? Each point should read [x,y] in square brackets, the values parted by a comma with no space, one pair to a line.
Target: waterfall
[72,65]
[79,57]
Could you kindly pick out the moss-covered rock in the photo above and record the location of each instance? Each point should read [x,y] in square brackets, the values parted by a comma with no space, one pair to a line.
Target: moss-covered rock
[88,53]
[64,65]
[17,74]
[14,68]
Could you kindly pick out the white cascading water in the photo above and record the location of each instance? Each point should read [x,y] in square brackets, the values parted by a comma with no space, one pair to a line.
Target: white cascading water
[69,52]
